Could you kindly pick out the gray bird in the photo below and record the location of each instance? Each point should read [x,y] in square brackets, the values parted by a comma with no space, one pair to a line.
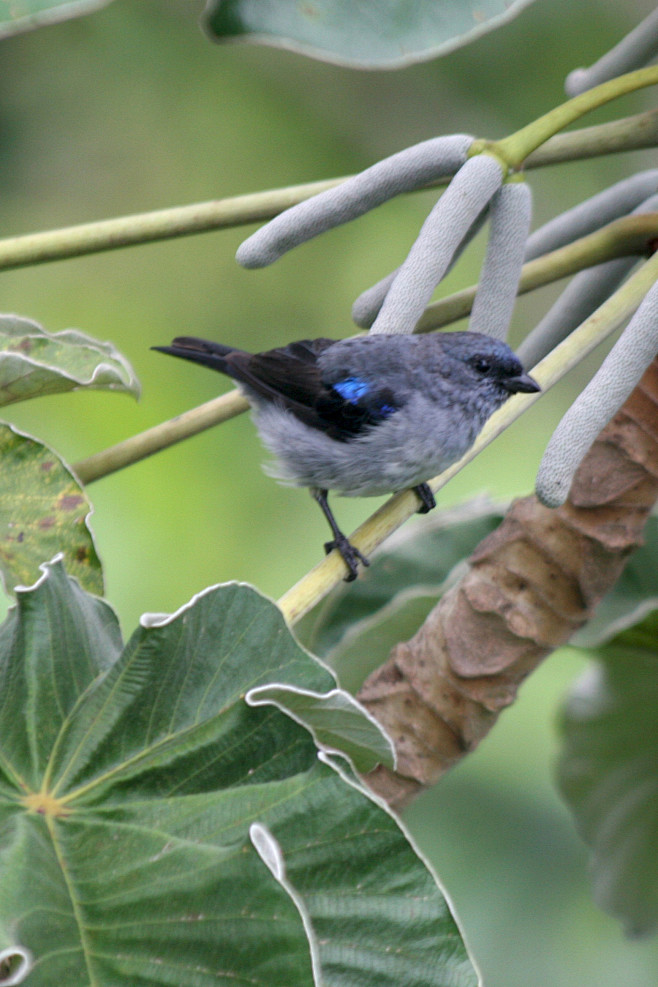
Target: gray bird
[367,415]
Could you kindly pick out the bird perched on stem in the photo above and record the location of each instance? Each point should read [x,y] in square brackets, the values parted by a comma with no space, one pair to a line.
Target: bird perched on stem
[368,415]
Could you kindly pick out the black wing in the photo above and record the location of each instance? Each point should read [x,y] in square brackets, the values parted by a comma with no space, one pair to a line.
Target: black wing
[288,374]
[290,377]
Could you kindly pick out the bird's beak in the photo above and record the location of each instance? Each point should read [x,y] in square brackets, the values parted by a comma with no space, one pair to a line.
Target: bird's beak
[524,383]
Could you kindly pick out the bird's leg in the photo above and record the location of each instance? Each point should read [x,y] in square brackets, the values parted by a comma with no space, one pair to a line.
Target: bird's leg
[350,554]
[426,498]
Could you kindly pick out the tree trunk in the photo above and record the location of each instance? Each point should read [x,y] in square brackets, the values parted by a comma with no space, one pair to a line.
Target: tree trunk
[532,583]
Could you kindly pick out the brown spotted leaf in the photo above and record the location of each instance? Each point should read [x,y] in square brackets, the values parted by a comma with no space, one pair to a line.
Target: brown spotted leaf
[43,511]
[34,362]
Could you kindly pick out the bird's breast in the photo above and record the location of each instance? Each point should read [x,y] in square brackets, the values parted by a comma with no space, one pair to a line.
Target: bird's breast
[417,442]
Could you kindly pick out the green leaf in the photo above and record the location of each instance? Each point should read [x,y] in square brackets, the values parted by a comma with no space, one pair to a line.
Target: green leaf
[335,720]
[608,773]
[360,33]
[43,511]
[74,638]
[156,829]
[391,599]
[34,362]
[21,15]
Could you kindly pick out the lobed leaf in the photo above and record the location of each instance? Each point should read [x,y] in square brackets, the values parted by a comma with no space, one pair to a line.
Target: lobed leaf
[335,720]
[155,828]
[34,362]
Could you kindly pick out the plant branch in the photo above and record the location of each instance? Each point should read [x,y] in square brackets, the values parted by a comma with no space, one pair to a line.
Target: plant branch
[628,134]
[516,148]
[160,437]
[148,227]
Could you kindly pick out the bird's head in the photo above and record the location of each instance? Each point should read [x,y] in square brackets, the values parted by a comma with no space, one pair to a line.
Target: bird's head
[487,365]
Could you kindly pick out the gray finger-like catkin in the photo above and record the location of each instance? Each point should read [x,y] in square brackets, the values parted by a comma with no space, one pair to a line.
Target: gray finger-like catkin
[613,202]
[584,293]
[405,171]
[638,48]
[441,234]
[511,212]
[366,307]
[599,401]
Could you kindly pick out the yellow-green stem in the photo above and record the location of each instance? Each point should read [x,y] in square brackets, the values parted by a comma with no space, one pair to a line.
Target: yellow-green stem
[516,148]
[162,224]
[160,437]
[627,134]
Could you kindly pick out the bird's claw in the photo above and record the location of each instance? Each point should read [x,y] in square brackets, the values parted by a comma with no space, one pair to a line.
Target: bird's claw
[426,497]
[350,554]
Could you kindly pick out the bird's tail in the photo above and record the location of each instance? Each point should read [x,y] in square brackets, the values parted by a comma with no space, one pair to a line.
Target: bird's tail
[200,351]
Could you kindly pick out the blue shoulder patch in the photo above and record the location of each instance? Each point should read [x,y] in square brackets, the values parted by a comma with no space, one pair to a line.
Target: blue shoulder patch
[352,388]
[355,390]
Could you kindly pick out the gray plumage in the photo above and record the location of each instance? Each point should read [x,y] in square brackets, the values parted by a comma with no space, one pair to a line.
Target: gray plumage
[368,415]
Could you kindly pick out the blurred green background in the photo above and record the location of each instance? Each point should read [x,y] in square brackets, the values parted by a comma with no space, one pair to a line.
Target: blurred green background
[132,109]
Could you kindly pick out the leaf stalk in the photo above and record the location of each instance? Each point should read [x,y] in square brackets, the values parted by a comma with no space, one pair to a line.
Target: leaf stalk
[628,134]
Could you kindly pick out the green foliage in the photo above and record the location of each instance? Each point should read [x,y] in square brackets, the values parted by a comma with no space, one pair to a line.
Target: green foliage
[609,772]
[34,362]
[43,508]
[43,512]
[157,828]
[27,14]
[292,865]
[350,32]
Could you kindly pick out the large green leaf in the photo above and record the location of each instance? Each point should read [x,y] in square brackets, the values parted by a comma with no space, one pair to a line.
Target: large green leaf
[21,15]
[609,773]
[157,829]
[34,362]
[43,511]
[360,33]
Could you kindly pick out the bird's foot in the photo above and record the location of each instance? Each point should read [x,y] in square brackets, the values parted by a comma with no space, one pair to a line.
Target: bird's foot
[426,498]
[350,554]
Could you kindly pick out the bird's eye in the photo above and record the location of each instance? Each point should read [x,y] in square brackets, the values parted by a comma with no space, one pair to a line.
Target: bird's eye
[481,365]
